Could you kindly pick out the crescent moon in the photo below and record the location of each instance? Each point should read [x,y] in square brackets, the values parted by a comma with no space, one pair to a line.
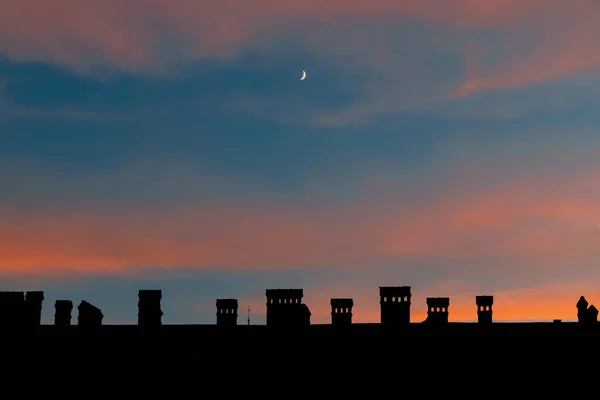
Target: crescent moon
[303,75]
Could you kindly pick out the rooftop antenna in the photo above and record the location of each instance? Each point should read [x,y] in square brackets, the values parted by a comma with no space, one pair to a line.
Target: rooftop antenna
[248,315]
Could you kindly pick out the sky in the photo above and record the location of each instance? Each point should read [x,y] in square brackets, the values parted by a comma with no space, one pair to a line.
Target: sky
[447,145]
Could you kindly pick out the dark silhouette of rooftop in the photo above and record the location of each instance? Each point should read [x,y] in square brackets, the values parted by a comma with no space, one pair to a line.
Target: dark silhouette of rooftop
[395,305]
[437,310]
[18,309]
[484,309]
[149,310]
[592,314]
[585,314]
[89,316]
[227,312]
[12,307]
[33,308]
[285,308]
[341,311]
[288,340]
[62,314]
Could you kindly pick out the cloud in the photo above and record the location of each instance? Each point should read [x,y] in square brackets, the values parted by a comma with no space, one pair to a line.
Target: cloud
[559,50]
[540,39]
[537,224]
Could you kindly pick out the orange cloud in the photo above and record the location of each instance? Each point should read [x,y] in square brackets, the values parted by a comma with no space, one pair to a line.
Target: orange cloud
[563,48]
[139,34]
[533,222]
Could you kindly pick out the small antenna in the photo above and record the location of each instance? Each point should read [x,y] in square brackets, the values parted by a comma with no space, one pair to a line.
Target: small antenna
[248,315]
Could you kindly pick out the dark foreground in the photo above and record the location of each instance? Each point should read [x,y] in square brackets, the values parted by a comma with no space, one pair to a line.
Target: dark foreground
[323,359]
[211,342]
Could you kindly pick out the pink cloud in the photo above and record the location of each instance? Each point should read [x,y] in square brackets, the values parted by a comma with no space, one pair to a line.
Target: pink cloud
[535,222]
[137,34]
[561,48]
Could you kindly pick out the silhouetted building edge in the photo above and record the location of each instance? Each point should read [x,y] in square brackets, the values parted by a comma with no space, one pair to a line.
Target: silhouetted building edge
[395,304]
[341,311]
[149,308]
[89,316]
[437,310]
[484,309]
[227,312]
[285,308]
[62,313]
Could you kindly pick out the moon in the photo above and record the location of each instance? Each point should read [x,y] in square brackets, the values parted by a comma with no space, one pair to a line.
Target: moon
[303,75]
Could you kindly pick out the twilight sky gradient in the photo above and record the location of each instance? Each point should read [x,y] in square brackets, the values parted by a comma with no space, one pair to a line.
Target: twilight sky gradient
[450,145]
